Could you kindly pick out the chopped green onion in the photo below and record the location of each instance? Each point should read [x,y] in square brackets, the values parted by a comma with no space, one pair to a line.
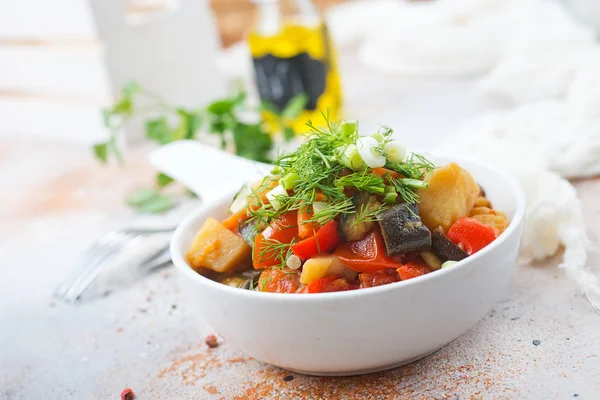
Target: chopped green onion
[368,150]
[349,127]
[415,183]
[289,181]
[277,197]
[394,151]
[448,263]
[240,201]
[351,158]
[390,197]
[378,136]
[389,189]
[275,170]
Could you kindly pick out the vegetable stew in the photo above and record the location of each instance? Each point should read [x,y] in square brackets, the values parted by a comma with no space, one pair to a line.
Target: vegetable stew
[346,212]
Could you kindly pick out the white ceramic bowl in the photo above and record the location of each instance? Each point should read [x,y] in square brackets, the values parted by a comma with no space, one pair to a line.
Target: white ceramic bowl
[365,330]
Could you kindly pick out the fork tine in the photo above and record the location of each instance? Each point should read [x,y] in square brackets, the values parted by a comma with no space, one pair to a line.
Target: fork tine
[110,245]
[83,262]
[94,269]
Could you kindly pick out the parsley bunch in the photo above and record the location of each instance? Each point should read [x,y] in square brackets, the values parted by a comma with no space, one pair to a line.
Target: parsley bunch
[165,123]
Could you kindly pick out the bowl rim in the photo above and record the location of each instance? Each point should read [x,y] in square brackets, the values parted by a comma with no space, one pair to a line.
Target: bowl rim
[182,264]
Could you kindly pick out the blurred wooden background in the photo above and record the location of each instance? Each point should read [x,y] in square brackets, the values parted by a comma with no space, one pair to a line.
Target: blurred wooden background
[235,16]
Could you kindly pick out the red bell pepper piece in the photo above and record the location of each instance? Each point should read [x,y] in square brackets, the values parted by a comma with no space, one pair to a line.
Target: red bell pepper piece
[283,230]
[378,278]
[330,284]
[412,269]
[471,234]
[325,240]
[367,254]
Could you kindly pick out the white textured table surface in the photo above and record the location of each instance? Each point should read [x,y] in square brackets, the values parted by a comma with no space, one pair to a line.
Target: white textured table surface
[148,335]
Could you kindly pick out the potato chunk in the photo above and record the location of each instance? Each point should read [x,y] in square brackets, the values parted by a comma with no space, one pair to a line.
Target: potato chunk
[217,248]
[321,266]
[451,194]
[496,220]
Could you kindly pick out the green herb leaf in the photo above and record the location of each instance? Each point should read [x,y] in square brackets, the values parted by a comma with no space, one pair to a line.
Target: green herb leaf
[163,180]
[131,89]
[106,116]
[295,106]
[182,129]
[240,96]
[221,107]
[124,106]
[252,142]
[158,130]
[111,146]
[157,205]
[101,153]
[193,120]
[141,196]
[288,133]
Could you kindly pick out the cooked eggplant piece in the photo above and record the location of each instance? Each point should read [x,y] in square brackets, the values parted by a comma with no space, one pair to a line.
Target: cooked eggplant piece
[243,280]
[403,231]
[251,278]
[349,229]
[248,231]
[445,248]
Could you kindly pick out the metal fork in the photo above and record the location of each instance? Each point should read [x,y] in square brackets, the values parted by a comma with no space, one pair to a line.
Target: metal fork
[92,262]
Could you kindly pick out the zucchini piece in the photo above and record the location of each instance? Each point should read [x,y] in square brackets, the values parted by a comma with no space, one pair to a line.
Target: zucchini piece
[403,231]
[348,229]
[445,248]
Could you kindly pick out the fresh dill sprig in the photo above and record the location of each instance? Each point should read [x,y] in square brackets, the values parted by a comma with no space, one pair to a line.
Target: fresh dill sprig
[319,175]
[271,247]
[332,210]
[407,188]
[416,166]
[368,212]
[264,283]
[365,181]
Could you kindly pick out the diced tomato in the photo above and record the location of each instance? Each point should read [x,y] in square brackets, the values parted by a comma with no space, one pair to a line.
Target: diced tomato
[412,269]
[277,281]
[306,228]
[367,254]
[471,234]
[325,240]
[330,284]
[283,230]
[378,278]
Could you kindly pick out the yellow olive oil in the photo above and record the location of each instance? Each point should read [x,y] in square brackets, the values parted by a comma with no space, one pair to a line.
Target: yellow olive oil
[292,54]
